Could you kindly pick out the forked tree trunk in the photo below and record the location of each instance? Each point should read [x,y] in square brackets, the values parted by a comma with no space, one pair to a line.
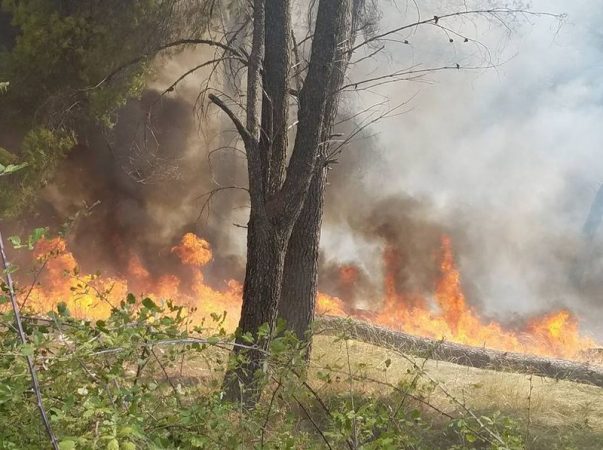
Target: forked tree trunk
[276,203]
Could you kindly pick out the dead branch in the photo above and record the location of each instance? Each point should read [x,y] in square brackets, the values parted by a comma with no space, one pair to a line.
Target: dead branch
[464,355]
[236,54]
[244,132]
[435,20]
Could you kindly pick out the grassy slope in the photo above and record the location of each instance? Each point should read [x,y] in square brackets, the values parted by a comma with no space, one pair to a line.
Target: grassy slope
[553,414]
[561,414]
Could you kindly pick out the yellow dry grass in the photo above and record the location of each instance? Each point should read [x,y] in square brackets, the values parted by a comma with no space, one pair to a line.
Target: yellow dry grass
[560,414]
[554,414]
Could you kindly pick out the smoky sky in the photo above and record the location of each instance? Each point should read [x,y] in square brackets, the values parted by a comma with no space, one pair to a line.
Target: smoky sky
[506,160]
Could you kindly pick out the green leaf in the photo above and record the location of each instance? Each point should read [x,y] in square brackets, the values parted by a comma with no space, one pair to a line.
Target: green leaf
[67,445]
[37,234]
[27,350]
[11,168]
[278,346]
[471,438]
[264,330]
[15,241]
[131,299]
[63,310]
[149,304]
[213,340]
[125,431]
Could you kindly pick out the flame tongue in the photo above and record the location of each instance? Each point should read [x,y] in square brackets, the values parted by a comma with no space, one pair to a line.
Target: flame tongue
[92,297]
[555,334]
[448,292]
[193,250]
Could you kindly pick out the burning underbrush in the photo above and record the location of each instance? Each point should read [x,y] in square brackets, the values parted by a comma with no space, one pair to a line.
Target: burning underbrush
[445,314]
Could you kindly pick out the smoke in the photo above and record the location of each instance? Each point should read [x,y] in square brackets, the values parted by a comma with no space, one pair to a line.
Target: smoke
[503,160]
[149,181]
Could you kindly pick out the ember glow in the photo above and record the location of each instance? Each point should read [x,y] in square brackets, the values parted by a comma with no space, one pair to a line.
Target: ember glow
[444,315]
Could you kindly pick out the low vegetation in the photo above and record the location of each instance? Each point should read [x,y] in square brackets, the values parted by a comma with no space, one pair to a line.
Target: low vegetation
[147,378]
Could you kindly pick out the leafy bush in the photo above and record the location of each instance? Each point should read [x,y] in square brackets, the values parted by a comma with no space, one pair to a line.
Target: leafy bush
[146,377]
[41,152]
[118,383]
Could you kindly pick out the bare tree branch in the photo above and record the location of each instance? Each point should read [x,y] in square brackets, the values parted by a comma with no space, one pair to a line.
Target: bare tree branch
[235,54]
[247,137]
[494,12]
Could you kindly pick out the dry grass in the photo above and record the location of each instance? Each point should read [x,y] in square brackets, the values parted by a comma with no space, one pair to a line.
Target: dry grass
[554,414]
[561,414]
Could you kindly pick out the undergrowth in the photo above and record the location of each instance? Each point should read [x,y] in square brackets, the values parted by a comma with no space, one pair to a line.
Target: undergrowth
[119,383]
[148,378]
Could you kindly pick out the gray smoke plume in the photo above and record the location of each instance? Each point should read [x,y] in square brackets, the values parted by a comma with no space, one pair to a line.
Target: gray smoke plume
[503,160]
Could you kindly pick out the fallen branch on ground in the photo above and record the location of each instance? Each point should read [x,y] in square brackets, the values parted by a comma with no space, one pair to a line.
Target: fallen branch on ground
[464,355]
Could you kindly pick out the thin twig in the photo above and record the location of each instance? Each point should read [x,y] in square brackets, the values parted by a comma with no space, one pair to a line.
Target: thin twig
[23,338]
[324,438]
[279,383]
[351,379]
[529,419]
[167,377]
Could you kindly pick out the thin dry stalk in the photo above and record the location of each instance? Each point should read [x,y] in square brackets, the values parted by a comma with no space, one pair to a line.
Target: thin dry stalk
[30,363]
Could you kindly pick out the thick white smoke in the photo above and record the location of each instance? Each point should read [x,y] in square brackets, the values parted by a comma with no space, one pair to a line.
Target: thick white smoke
[506,158]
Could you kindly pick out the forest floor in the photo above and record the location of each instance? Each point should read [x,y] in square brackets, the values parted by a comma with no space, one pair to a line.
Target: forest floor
[550,414]
[555,414]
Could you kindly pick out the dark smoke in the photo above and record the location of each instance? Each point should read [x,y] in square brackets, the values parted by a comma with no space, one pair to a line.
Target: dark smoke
[147,179]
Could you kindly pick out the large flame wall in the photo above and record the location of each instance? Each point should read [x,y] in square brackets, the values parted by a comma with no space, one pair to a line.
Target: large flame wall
[445,314]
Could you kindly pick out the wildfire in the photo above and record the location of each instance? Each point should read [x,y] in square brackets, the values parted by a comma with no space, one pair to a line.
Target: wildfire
[556,334]
[92,296]
[193,250]
[446,314]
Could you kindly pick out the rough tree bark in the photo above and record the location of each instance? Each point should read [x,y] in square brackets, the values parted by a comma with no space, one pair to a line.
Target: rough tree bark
[300,278]
[276,198]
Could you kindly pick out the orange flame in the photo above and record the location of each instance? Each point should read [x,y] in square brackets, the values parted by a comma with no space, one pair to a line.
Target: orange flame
[445,315]
[93,297]
[193,250]
[556,334]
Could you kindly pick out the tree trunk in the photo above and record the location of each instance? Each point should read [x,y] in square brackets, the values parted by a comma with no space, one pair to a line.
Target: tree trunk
[298,296]
[275,203]
[464,355]
[266,250]
[300,279]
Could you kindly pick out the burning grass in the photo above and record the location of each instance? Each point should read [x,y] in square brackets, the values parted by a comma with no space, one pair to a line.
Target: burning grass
[445,315]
